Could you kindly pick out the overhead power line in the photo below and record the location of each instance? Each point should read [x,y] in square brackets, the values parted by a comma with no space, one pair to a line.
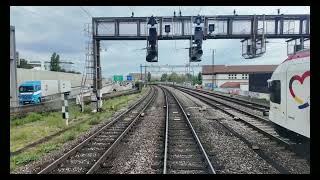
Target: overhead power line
[88,13]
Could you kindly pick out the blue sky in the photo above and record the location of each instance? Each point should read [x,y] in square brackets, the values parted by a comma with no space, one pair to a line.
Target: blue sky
[42,30]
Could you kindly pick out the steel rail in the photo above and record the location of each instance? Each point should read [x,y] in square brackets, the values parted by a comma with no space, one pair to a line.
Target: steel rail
[211,169]
[166,134]
[260,152]
[117,141]
[53,165]
[242,102]
[207,101]
[237,109]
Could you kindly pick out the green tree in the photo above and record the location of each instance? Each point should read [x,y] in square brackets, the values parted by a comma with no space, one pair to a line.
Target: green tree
[55,62]
[199,78]
[164,77]
[173,77]
[24,64]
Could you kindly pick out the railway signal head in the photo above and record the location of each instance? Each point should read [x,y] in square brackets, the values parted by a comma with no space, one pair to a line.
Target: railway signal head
[167,28]
[211,28]
[198,20]
[152,21]
[152,50]
[195,54]
[152,55]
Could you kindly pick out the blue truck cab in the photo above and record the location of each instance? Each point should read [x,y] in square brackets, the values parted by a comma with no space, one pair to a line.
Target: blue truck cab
[30,92]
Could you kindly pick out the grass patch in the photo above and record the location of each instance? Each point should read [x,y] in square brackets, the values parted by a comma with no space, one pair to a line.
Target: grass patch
[68,136]
[26,159]
[94,121]
[81,127]
[31,117]
[37,126]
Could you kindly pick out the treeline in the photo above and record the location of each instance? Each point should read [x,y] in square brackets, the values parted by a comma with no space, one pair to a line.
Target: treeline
[174,77]
[54,64]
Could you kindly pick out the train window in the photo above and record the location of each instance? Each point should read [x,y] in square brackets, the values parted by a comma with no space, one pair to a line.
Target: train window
[275,91]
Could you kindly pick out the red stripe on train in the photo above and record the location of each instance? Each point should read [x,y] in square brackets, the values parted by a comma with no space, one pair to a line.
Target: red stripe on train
[298,55]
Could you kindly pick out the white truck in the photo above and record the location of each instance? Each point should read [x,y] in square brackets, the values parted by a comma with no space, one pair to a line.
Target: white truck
[34,92]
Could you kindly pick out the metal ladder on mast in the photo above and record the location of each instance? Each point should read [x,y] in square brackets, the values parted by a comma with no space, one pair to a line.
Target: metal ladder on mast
[87,78]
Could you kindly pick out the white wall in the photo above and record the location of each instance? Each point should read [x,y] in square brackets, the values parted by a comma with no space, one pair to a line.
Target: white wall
[244,87]
[29,74]
[222,78]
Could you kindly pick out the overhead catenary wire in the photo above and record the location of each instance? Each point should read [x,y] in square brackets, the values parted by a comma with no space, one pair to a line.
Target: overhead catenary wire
[200,10]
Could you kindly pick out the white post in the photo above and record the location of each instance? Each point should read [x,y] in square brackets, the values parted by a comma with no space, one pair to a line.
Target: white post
[99,98]
[65,109]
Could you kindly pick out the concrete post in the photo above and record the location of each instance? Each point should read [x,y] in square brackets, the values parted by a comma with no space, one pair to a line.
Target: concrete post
[13,69]
[65,109]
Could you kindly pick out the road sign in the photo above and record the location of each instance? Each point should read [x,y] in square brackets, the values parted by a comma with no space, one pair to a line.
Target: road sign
[129,78]
[118,78]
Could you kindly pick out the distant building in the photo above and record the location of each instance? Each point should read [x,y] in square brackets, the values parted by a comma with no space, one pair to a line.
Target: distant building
[136,76]
[232,76]
[66,65]
[37,65]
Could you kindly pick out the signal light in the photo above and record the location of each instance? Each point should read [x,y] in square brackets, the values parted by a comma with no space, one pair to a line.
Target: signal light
[211,28]
[167,28]
[152,55]
[195,55]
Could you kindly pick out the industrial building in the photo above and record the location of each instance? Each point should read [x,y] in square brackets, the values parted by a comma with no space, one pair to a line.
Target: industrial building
[36,65]
[66,65]
[222,76]
[136,76]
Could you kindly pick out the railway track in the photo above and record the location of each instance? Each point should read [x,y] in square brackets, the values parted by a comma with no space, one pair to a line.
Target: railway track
[227,106]
[88,156]
[259,108]
[183,151]
[255,122]
[49,137]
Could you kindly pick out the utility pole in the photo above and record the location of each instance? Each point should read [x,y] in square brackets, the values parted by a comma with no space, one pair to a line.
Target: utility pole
[212,68]
[141,72]
[145,75]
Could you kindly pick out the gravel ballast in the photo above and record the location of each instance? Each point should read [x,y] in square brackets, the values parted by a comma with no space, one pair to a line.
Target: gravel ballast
[228,154]
[139,151]
[279,154]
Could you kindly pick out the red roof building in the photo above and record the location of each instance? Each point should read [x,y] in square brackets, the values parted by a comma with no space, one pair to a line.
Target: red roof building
[230,85]
[223,76]
[239,69]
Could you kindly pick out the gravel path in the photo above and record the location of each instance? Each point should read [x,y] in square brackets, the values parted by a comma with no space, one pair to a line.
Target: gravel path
[36,166]
[228,154]
[140,149]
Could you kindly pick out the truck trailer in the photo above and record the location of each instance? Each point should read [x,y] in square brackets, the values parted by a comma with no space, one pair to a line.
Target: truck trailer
[34,92]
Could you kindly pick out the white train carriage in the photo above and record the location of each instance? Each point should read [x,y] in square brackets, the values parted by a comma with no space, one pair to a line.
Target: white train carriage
[290,96]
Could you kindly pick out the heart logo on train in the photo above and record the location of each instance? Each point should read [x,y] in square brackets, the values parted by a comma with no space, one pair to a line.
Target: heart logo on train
[296,98]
